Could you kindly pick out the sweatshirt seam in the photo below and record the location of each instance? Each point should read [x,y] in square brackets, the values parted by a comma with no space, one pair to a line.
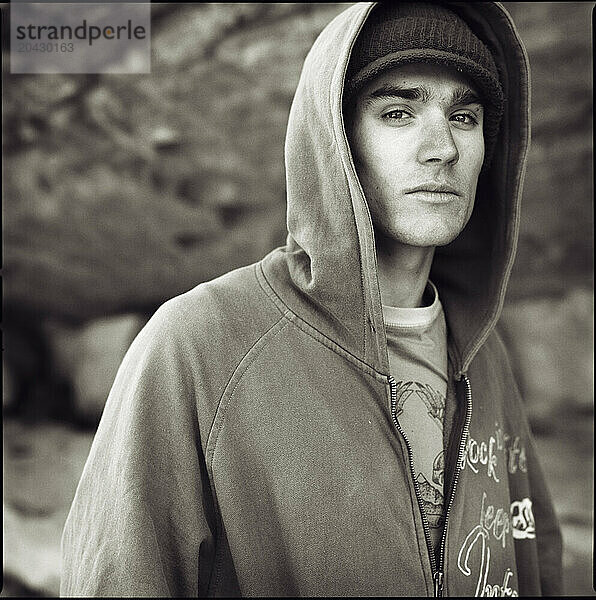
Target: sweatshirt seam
[268,289]
[318,335]
[235,379]
[257,341]
[321,338]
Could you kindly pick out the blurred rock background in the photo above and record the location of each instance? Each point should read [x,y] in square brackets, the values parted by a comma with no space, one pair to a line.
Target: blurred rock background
[121,191]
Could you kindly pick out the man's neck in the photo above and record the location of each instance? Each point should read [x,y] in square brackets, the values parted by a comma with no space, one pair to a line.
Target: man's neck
[403,272]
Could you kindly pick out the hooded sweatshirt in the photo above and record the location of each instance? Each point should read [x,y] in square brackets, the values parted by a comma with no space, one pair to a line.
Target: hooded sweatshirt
[249,444]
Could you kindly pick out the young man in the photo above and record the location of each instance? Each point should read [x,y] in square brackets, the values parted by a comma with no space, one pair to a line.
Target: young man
[340,418]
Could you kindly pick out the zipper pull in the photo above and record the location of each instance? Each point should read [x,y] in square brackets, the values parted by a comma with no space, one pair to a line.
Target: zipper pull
[438,577]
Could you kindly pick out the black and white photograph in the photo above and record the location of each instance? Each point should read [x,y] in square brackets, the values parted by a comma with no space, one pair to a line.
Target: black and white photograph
[297,299]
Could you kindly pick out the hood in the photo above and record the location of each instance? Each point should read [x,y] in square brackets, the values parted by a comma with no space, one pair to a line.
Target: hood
[330,253]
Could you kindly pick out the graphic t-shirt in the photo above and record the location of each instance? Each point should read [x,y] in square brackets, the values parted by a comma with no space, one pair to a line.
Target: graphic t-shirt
[417,346]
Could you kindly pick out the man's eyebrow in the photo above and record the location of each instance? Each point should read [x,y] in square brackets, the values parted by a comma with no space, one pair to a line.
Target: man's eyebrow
[465,95]
[461,95]
[387,90]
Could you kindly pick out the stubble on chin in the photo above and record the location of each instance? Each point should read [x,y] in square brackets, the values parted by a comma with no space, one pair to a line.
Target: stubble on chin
[433,226]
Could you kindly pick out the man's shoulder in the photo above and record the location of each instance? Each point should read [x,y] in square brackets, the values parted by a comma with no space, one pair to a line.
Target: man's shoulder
[189,350]
[227,308]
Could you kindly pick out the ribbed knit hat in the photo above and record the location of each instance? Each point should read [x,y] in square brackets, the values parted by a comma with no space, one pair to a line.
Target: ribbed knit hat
[398,33]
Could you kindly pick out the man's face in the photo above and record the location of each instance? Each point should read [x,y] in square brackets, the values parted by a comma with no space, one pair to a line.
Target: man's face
[416,136]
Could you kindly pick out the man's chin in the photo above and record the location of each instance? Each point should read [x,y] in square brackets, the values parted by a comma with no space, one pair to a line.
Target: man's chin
[423,239]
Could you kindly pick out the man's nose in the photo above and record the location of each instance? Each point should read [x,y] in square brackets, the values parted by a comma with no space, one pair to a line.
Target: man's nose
[437,144]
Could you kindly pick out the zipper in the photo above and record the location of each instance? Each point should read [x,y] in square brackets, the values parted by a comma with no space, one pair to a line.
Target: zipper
[438,579]
[438,572]
[462,447]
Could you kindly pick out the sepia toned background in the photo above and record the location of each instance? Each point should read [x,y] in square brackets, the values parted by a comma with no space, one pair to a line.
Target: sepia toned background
[121,191]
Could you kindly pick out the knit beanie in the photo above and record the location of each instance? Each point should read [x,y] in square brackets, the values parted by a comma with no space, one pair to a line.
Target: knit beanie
[397,33]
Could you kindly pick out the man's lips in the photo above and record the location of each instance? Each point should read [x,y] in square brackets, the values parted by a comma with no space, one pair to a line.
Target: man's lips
[437,188]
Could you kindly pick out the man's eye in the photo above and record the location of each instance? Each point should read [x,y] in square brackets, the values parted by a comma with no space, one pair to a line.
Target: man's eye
[465,118]
[396,115]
